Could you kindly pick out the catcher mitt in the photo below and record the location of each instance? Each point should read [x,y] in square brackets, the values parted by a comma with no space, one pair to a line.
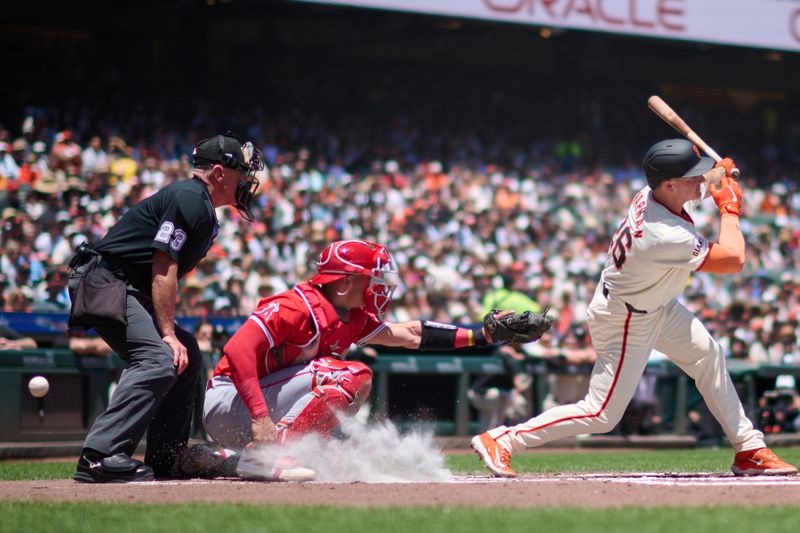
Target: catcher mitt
[522,328]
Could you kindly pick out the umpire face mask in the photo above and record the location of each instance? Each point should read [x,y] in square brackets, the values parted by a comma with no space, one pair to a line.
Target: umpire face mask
[247,187]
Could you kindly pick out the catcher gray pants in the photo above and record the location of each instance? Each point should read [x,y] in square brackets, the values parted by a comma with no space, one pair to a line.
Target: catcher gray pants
[150,396]
[227,419]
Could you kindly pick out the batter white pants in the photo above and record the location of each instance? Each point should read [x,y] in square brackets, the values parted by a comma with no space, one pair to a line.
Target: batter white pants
[623,341]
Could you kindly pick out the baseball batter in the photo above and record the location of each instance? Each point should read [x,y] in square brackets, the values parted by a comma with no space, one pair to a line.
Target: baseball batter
[635,310]
[282,375]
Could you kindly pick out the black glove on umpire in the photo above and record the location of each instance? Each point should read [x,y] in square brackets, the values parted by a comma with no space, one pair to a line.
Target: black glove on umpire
[522,328]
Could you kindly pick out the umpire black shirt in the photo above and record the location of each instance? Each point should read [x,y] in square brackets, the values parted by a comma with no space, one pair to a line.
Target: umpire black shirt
[178,220]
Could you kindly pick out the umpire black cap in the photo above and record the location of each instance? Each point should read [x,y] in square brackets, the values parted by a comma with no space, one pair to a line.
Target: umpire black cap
[674,158]
[225,149]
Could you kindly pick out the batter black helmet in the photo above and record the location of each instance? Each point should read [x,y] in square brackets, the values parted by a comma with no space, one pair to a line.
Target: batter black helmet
[674,158]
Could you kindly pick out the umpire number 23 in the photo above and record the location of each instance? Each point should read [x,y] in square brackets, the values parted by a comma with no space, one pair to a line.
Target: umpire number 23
[621,245]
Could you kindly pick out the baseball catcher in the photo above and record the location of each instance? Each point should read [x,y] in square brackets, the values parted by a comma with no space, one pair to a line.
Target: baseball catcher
[283,375]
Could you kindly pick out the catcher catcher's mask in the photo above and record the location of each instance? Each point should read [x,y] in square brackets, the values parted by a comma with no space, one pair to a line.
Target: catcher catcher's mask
[230,151]
[361,258]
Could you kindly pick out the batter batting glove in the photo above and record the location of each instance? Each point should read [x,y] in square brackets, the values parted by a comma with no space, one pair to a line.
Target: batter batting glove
[728,196]
[728,165]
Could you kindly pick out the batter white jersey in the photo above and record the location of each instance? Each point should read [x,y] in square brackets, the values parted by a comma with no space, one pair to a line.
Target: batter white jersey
[652,254]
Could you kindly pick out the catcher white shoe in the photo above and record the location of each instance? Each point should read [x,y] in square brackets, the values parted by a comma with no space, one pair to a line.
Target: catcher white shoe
[252,466]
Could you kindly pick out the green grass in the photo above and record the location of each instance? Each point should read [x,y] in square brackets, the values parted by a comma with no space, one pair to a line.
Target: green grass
[18,471]
[691,460]
[121,518]
[544,462]
[43,517]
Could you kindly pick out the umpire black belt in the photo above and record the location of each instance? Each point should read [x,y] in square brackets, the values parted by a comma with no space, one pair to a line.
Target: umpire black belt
[629,307]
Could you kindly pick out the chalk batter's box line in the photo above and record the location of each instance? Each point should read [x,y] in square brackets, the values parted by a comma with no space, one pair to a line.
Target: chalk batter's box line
[644,478]
[653,479]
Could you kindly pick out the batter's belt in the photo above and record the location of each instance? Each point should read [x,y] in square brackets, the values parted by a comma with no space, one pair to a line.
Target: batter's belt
[629,307]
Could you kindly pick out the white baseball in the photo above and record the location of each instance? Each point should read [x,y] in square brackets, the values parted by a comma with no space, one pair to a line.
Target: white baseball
[38,386]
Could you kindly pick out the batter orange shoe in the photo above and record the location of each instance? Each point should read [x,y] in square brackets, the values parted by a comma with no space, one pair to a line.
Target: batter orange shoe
[494,455]
[761,462]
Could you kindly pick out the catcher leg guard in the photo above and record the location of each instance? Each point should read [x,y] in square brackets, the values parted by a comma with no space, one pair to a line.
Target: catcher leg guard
[338,388]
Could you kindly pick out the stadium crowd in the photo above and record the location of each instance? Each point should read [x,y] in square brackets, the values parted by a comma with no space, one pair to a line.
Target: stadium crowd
[460,214]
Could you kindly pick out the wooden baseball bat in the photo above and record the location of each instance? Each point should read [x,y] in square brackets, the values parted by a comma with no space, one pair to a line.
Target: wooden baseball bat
[668,115]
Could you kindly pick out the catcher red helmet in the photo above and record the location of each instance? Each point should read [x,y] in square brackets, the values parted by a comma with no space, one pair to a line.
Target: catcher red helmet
[360,258]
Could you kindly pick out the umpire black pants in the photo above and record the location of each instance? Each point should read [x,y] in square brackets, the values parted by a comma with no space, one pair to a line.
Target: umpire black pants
[150,395]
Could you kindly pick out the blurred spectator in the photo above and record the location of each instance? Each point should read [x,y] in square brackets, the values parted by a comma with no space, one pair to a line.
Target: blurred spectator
[94,159]
[87,344]
[780,408]
[784,350]
[506,295]
[642,416]
[204,333]
[210,352]
[55,298]
[758,351]
[16,301]
[122,166]
[9,169]
[571,364]
[12,340]
[65,155]
[738,350]
[502,399]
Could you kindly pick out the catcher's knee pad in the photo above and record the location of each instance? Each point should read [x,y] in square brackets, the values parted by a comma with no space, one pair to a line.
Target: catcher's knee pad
[352,378]
[320,415]
[338,389]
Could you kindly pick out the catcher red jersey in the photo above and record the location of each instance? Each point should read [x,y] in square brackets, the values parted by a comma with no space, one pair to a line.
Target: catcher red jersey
[288,329]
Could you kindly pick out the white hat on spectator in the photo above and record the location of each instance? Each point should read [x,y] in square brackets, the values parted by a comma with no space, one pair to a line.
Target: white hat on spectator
[47,185]
[785,381]
[27,125]
[78,238]
[405,241]
[421,262]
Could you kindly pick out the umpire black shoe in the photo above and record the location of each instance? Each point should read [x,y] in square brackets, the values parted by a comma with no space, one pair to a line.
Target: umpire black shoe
[119,468]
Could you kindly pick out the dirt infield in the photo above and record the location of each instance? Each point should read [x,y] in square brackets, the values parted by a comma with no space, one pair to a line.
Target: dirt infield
[594,490]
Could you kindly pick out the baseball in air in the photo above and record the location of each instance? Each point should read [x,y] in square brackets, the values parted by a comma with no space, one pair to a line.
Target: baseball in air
[38,386]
